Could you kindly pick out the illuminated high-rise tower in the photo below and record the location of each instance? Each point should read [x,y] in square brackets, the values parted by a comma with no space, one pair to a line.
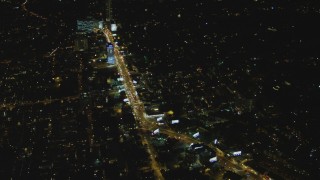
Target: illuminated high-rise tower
[108,11]
[110,23]
[110,52]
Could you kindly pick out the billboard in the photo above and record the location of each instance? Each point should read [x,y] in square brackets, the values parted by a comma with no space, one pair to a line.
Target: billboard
[199,147]
[196,135]
[174,121]
[157,131]
[236,153]
[214,159]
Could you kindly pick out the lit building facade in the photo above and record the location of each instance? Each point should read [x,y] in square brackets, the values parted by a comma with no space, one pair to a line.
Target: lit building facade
[110,51]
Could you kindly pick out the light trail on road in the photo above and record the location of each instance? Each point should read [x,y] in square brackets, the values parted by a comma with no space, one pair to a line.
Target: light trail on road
[24,8]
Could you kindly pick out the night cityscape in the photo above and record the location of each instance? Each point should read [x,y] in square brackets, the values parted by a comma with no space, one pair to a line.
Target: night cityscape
[159,89]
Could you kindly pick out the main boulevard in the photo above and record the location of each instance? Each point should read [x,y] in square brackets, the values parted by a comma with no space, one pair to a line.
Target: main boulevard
[229,163]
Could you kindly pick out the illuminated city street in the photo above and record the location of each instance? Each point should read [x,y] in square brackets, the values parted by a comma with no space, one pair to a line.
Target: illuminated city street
[228,163]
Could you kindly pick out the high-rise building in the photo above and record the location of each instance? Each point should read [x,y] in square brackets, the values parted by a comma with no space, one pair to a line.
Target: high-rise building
[110,51]
[81,44]
[110,23]
[108,11]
